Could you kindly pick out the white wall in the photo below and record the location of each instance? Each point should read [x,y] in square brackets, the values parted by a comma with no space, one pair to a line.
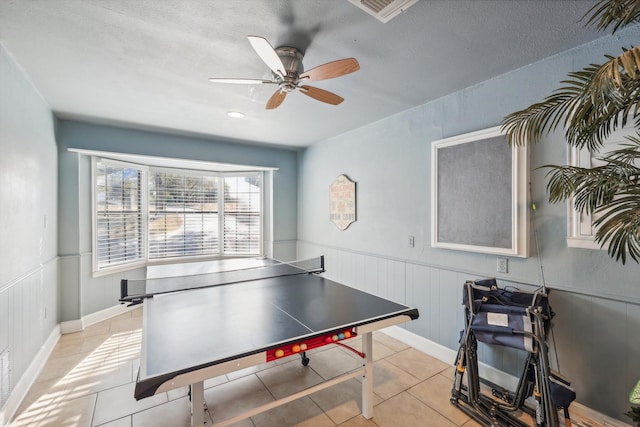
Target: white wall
[597,299]
[28,220]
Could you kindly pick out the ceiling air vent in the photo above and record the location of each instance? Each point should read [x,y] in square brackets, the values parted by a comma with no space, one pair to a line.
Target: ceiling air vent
[383,10]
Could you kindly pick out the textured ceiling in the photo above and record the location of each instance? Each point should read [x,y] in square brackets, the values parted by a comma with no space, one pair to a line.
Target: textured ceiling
[145,63]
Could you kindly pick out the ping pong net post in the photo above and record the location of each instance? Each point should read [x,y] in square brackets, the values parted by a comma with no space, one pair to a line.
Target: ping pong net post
[134,291]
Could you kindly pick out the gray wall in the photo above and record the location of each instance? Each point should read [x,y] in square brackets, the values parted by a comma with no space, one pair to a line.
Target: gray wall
[596,299]
[85,294]
[28,219]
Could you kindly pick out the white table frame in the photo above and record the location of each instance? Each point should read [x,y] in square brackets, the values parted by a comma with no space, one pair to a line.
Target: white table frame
[196,378]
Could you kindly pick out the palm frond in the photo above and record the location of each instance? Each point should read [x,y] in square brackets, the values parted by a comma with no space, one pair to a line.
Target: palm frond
[561,184]
[619,226]
[618,13]
[530,124]
[623,164]
[627,154]
[610,98]
[611,191]
[591,104]
[610,82]
[596,109]
[591,188]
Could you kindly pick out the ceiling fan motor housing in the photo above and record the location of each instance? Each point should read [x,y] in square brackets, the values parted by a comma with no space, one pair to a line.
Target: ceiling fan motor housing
[292,60]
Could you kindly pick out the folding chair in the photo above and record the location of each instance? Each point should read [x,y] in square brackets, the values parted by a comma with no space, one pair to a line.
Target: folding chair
[520,320]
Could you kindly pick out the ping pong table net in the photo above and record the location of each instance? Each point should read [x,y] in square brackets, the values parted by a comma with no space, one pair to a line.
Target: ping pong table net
[134,291]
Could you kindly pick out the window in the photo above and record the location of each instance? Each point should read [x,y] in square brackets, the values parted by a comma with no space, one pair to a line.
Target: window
[183,214]
[152,214]
[119,228]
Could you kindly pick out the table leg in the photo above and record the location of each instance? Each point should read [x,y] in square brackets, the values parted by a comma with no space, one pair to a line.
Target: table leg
[197,404]
[367,380]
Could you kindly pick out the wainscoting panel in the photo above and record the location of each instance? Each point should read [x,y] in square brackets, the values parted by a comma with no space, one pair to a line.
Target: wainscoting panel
[28,315]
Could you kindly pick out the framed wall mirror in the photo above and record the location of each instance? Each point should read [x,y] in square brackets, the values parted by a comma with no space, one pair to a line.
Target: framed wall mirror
[479,194]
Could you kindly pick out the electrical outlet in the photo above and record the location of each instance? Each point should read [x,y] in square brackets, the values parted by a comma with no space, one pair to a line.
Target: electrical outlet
[502,265]
[412,241]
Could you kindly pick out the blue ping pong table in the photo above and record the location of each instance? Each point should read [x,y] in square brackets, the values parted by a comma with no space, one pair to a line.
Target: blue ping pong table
[230,315]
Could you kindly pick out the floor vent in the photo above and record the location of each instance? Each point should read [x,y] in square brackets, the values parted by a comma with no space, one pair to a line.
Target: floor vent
[5,373]
[384,10]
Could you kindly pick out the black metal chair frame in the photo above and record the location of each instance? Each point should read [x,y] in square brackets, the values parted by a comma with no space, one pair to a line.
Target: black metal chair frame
[502,407]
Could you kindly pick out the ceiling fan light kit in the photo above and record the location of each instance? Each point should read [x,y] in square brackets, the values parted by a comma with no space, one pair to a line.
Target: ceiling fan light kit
[288,73]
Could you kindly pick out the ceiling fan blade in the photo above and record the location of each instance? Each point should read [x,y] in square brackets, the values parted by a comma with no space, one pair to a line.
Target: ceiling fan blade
[240,81]
[321,95]
[276,99]
[331,70]
[267,53]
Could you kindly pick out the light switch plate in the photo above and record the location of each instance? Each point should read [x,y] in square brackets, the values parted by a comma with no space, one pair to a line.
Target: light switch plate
[502,265]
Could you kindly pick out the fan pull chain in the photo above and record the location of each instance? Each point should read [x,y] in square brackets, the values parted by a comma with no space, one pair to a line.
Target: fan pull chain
[542,280]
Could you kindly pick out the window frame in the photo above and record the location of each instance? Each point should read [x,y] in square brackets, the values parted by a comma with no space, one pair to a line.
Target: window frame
[264,221]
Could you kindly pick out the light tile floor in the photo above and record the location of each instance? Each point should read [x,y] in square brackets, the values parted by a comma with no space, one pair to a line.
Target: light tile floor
[89,379]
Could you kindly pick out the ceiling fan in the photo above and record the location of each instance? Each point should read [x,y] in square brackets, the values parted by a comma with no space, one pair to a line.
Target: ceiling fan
[288,73]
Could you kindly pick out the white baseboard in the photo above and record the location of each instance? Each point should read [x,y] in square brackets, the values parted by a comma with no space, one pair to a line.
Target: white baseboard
[70,326]
[579,412]
[106,314]
[424,345]
[93,318]
[21,389]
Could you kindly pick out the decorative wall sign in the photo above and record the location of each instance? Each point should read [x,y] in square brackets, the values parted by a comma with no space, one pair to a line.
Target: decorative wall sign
[479,194]
[342,202]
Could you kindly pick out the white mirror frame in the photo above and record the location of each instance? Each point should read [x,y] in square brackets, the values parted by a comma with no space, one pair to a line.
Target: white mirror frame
[519,178]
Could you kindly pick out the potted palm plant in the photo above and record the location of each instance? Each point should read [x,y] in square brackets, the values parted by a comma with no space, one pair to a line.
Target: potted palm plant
[591,104]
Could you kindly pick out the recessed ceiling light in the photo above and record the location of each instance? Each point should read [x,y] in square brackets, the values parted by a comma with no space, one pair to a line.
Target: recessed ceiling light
[235,114]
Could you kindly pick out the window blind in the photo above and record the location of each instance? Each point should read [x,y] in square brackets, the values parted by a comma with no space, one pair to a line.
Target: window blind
[183,214]
[119,223]
[242,214]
